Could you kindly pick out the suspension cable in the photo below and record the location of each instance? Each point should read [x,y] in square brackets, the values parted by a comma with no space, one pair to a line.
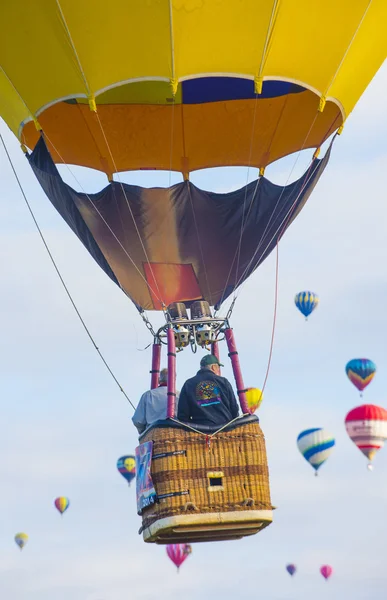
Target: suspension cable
[274,319]
[104,221]
[59,274]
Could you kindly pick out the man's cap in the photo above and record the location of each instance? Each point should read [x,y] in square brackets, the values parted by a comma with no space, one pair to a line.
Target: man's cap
[210,359]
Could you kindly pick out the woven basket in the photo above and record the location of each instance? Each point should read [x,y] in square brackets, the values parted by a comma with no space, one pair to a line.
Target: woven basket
[226,473]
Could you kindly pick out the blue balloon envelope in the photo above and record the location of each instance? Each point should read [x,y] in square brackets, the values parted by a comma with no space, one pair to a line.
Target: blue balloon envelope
[306,302]
[315,446]
[127,467]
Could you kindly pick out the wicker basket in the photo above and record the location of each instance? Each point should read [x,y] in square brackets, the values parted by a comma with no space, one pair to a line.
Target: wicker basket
[209,488]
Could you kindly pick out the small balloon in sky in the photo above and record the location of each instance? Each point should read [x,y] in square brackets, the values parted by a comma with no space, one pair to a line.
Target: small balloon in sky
[306,302]
[254,398]
[21,539]
[366,425]
[291,569]
[61,504]
[326,571]
[178,553]
[315,446]
[360,372]
[126,465]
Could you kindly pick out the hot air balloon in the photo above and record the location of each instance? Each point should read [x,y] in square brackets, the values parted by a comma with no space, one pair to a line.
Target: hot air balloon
[21,539]
[61,504]
[254,398]
[366,425]
[291,569]
[315,446]
[207,85]
[127,467]
[306,302]
[178,553]
[326,571]
[360,372]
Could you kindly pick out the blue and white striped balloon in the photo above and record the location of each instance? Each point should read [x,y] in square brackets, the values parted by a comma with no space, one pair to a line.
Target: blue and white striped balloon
[315,446]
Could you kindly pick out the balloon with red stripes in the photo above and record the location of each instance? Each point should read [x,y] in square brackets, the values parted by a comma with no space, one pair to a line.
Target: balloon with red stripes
[366,425]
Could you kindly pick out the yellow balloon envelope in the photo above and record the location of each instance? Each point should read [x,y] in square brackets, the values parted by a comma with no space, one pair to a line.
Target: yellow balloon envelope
[21,539]
[254,398]
[295,69]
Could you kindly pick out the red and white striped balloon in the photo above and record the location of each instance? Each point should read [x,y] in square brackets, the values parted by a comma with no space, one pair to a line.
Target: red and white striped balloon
[366,425]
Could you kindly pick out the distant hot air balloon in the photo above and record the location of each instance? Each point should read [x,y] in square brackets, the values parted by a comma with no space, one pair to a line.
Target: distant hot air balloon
[326,571]
[254,398]
[178,553]
[127,467]
[315,445]
[366,425]
[306,302]
[62,503]
[291,569]
[21,539]
[360,372]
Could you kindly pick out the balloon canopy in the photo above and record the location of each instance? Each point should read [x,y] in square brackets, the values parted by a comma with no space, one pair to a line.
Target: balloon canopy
[61,504]
[315,446]
[182,85]
[326,571]
[291,569]
[179,244]
[126,465]
[306,302]
[178,553]
[366,425]
[360,372]
[254,398]
[21,539]
[198,65]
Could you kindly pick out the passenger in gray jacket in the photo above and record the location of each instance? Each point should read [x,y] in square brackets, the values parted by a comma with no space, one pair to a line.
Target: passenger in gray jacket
[153,404]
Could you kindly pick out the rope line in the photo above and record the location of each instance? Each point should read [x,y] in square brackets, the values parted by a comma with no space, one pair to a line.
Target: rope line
[274,318]
[284,220]
[131,214]
[104,221]
[278,201]
[199,242]
[94,108]
[63,18]
[59,274]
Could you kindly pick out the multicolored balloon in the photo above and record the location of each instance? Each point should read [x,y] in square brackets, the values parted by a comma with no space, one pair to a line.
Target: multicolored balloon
[127,467]
[178,553]
[360,372]
[21,539]
[306,302]
[62,503]
[315,446]
[326,571]
[291,569]
[254,399]
[366,425]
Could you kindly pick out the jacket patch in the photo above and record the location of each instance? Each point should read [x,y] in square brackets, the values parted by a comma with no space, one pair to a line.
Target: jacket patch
[207,393]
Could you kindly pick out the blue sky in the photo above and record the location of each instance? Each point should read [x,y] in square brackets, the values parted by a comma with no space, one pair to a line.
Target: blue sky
[64,422]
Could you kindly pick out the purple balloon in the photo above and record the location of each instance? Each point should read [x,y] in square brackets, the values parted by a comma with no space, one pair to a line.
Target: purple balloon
[291,569]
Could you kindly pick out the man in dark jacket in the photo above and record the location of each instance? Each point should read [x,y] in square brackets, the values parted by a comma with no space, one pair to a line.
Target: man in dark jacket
[207,398]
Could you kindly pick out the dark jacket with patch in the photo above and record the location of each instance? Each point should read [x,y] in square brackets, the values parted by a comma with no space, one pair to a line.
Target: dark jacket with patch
[207,399]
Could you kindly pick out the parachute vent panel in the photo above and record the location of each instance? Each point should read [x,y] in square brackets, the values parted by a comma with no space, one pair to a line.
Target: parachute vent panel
[221,512]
